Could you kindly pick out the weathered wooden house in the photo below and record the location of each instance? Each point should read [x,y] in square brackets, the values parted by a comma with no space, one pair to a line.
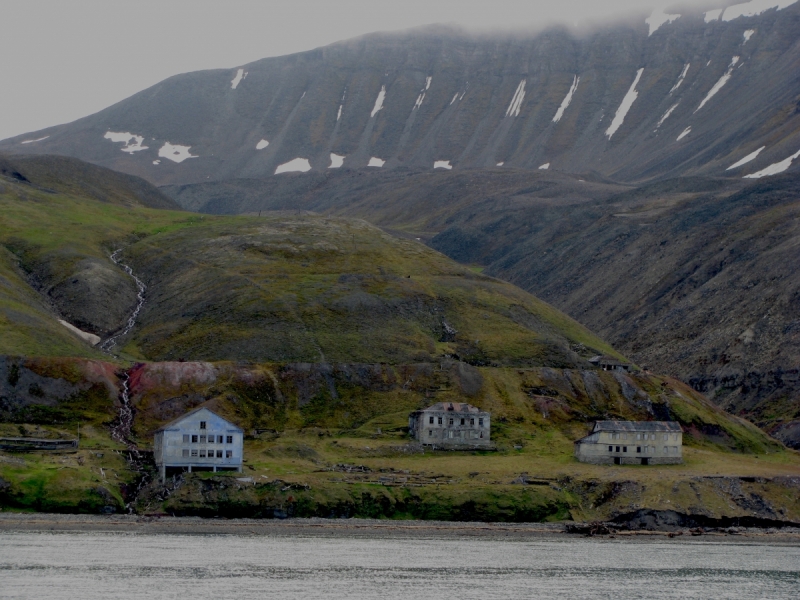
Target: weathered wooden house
[451,424]
[200,440]
[632,443]
[609,363]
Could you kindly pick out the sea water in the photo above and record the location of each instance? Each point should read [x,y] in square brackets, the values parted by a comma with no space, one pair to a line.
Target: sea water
[213,567]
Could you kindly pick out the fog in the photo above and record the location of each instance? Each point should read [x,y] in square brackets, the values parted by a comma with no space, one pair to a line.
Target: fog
[65,60]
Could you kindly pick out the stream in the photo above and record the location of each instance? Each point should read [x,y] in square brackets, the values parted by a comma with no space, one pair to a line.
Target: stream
[121,427]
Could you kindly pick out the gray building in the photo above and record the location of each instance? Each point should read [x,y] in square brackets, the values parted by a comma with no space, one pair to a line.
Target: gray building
[632,443]
[609,363]
[200,440]
[451,424]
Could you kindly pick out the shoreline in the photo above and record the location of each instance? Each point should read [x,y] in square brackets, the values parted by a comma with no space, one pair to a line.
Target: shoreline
[318,527]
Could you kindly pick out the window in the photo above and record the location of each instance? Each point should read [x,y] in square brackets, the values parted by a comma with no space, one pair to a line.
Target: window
[481,435]
[185,452]
[451,420]
[203,453]
[211,439]
[194,452]
[430,432]
[624,436]
[611,448]
[666,437]
[202,439]
[624,448]
[430,421]
[638,436]
[202,424]
[617,448]
[230,439]
[219,453]
[463,421]
[480,422]
[638,449]
[674,437]
[194,439]
[440,420]
[228,453]
[185,438]
[450,433]
[472,421]
[666,450]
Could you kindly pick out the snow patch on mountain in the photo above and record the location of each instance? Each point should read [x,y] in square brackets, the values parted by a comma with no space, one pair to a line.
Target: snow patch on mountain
[33,141]
[666,115]
[378,102]
[681,77]
[684,133]
[132,143]
[567,100]
[746,159]
[713,15]
[156,162]
[516,101]
[775,168]
[262,144]
[544,167]
[500,164]
[747,35]
[175,152]
[240,75]
[754,8]
[375,162]
[296,165]
[625,106]
[658,18]
[442,164]
[336,161]
[719,85]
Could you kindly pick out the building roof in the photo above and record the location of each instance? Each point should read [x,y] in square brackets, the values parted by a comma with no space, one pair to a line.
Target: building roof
[637,426]
[175,422]
[606,360]
[454,407]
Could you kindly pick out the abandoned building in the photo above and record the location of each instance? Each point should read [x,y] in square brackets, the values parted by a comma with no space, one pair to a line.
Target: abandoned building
[632,443]
[609,363]
[200,440]
[451,424]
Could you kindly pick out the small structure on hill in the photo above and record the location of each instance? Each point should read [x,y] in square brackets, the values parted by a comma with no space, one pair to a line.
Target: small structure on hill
[24,444]
[200,440]
[609,363]
[451,424]
[632,443]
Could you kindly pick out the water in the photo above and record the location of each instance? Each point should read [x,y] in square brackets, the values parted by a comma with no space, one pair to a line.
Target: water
[188,567]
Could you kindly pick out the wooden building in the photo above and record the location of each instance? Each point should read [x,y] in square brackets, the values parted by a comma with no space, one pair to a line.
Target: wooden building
[632,443]
[451,424]
[200,440]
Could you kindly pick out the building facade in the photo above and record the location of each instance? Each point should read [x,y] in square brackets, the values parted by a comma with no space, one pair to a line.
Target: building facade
[451,424]
[609,363]
[632,443]
[199,440]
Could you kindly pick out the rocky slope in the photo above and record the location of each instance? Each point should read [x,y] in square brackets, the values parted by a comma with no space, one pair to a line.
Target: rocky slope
[696,94]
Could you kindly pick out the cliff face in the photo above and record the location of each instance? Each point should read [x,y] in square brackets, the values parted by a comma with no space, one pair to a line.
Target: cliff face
[695,96]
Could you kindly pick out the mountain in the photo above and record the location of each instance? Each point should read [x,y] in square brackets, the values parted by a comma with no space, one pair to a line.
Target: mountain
[712,93]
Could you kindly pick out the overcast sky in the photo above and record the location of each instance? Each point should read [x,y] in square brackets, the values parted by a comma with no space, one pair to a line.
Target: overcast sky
[66,59]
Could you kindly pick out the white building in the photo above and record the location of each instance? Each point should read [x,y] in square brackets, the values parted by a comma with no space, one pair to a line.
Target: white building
[199,440]
[632,443]
[451,424]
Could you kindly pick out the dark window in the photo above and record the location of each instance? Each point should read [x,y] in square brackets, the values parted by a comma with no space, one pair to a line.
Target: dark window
[194,439]
[230,439]
[481,435]
[430,420]
[194,452]
[472,421]
[202,424]
[440,420]
[219,439]
[185,438]
[624,448]
[480,422]
[430,432]
[228,453]
[219,453]
[617,448]
[451,421]
[462,421]
[638,449]
[611,448]
[203,453]
[211,439]
[186,452]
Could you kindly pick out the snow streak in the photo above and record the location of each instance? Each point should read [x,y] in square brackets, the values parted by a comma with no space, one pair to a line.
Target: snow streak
[378,102]
[746,159]
[775,168]
[567,100]
[666,115]
[681,77]
[719,85]
[623,109]
[516,101]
